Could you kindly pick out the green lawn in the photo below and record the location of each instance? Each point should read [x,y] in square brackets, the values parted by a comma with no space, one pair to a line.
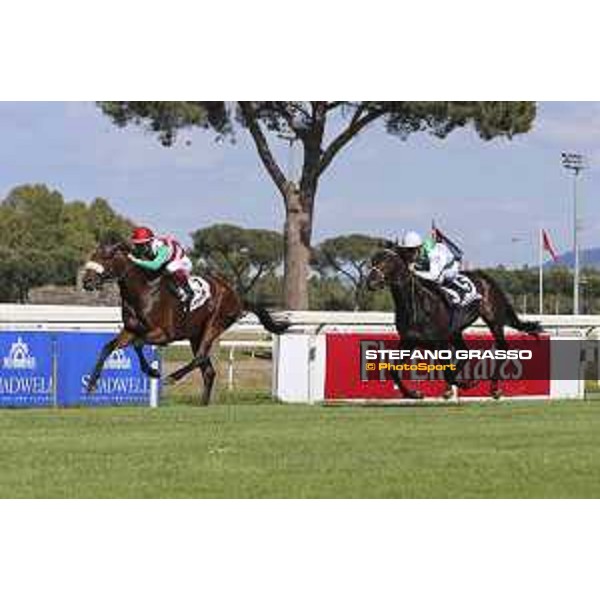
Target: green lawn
[269,450]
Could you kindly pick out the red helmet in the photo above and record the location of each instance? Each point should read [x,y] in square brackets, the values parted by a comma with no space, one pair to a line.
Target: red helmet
[142,235]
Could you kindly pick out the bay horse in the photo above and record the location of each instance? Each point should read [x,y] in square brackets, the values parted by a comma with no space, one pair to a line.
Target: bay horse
[423,314]
[152,314]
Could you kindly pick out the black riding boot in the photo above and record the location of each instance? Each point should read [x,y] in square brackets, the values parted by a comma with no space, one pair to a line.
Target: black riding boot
[456,319]
[182,291]
[186,293]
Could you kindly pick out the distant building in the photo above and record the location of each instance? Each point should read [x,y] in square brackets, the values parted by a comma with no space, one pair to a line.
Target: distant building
[75,294]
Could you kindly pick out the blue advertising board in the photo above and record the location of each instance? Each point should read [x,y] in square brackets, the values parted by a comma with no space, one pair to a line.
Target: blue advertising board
[121,382]
[26,369]
[53,369]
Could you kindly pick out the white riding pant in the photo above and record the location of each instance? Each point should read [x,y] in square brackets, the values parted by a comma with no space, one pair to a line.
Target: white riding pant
[180,264]
[443,266]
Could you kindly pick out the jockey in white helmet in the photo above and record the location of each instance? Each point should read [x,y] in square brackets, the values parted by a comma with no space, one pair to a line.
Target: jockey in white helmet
[433,260]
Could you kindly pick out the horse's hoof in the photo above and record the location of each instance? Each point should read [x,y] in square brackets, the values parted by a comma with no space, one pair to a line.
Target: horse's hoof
[168,380]
[414,395]
[154,374]
[90,388]
[451,393]
[497,394]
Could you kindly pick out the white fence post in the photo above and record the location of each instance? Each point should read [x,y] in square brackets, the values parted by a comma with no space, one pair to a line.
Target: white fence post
[230,368]
[154,386]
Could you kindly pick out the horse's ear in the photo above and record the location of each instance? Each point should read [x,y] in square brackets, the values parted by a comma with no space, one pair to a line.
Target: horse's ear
[125,245]
[388,244]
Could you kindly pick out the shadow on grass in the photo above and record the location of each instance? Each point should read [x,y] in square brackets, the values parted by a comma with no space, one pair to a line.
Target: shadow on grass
[244,396]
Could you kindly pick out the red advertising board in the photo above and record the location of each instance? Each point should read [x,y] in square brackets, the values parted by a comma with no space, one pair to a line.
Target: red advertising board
[345,377]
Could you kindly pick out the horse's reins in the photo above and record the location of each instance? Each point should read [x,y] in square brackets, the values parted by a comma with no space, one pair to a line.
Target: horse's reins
[413,298]
[411,275]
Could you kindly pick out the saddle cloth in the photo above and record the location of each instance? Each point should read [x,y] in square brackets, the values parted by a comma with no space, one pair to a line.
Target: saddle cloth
[461,291]
[201,289]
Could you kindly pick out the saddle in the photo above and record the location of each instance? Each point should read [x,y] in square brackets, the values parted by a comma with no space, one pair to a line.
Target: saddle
[460,291]
[202,292]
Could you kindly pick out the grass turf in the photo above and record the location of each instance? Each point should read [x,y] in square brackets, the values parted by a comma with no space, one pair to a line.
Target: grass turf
[495,450]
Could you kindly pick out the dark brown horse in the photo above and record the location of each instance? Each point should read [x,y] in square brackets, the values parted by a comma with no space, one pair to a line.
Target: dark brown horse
[153,315]
[423,313]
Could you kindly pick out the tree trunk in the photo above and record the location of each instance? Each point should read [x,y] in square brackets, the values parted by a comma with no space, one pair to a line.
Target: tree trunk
[297,236]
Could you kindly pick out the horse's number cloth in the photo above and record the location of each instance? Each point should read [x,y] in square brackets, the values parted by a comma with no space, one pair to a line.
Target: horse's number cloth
[461,290]
[201,289]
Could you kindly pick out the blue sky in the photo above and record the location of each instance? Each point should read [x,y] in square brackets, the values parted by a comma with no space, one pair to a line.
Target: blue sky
[482,193]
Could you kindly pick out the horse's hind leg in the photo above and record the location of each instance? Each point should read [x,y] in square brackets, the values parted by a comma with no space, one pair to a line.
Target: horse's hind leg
[207,370]
[201,348]
[208,374]
[501,344]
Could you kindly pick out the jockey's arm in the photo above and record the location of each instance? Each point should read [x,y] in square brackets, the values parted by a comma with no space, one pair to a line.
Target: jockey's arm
[162,257]
[438,261]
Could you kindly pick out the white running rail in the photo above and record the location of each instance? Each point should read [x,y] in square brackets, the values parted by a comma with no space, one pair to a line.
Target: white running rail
[108,318]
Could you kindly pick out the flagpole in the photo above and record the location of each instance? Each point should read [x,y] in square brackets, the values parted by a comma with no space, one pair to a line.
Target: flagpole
[541,274]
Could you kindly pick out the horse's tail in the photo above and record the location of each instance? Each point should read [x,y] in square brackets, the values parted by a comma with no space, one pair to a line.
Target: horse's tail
[530,327]
[512,319]
[267,321]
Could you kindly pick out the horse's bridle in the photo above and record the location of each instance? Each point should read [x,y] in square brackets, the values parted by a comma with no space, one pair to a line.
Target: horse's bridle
[378,269]
[107,274]
[411,277]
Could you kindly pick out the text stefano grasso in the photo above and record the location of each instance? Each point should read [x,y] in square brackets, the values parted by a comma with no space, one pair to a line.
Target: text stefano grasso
[494,354]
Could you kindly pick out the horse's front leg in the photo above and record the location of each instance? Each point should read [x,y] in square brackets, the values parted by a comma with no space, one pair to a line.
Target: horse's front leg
[409,345]
[122,340]
[450,375]
[148,369]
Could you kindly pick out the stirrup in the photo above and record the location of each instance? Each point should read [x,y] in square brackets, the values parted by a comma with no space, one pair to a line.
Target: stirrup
[184,298]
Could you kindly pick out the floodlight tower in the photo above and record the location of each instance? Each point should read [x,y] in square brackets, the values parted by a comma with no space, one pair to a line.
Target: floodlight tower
[575,163]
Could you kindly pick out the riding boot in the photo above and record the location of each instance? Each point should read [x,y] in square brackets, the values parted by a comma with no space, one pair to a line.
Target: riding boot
[185,293]
[180,287]
[456,318]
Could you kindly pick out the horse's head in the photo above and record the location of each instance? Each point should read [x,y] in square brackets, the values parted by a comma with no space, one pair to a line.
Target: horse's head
[390,264]
[107,263]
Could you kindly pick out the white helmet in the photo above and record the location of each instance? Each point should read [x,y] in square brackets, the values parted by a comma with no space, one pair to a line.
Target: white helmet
[411,239]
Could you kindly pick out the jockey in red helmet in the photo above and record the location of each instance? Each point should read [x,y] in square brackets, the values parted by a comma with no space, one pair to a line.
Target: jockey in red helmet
[155,252]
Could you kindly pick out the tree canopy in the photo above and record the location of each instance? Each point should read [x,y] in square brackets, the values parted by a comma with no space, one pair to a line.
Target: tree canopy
[44,239]
[321,138]
[348,257]
[244,256]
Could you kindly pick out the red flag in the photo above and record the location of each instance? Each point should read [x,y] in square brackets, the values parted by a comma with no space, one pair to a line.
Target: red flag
[547,244]
[440,237]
